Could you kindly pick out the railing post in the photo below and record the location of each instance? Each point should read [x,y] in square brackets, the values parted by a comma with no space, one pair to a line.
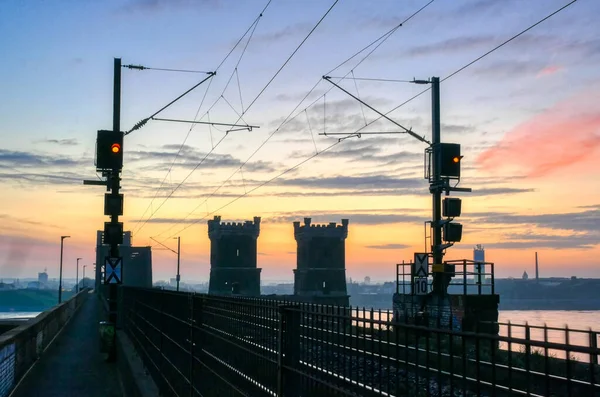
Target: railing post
[288,349]
[464,277]
[594,346]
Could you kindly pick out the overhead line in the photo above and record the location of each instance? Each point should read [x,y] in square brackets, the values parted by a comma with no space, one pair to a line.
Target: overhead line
[252,27]
[381,39]
[390,111]
[509,40]
[252,103]
[259,186]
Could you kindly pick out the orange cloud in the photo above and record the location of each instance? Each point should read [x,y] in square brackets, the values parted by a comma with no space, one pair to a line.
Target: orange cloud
[548,70]
[565,135]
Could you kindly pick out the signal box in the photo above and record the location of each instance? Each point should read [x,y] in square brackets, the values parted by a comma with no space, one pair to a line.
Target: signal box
[109,150]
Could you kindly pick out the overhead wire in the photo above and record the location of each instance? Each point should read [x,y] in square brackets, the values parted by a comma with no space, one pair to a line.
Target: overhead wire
[373,121]
[251,103]
[379,41]
[252,27]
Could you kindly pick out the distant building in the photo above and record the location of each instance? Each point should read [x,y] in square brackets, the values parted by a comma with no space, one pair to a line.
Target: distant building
[367,280]
[6,286]
[479,259]
[43,277]
[525,276]
[33,285]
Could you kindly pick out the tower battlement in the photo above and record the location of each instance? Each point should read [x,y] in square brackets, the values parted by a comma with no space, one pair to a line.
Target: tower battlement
[233,257]
[332,229]
[216,228]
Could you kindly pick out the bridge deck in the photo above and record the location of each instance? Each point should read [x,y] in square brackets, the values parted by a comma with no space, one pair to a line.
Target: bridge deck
[72,365]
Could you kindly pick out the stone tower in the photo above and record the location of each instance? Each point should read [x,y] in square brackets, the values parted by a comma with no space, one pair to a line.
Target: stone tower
[233,256]
[321,262]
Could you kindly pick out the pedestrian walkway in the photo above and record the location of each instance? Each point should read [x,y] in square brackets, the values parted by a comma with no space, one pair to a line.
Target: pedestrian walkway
[72,366]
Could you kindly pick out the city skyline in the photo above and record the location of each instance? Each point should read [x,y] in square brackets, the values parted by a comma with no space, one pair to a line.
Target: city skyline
[526,117]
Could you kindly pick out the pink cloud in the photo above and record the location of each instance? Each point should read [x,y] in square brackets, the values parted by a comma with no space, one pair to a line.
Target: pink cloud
[549,70]
[565,135]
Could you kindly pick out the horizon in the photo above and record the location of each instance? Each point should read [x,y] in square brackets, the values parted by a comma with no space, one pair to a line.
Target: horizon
[526,117]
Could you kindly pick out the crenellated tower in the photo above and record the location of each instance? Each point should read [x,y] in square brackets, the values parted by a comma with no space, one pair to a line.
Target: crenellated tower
[321,262]
[233,257]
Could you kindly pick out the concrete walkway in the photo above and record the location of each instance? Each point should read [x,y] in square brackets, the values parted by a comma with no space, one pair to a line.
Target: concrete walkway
[72,366]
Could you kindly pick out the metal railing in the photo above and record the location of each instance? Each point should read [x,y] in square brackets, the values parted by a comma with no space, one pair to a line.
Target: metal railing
[468,277]
[202,345]
[20,347]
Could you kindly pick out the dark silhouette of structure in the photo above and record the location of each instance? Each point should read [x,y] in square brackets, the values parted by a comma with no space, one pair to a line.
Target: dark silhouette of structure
[233,257]
[137,262]
[320,273]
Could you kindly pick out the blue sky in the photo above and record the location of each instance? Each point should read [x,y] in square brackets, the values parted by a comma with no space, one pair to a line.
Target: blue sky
[57,92]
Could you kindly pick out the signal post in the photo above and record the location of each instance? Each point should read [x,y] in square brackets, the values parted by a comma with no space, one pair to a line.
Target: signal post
[109,161]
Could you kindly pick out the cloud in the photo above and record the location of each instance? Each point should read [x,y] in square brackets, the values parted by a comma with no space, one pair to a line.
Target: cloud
[353,182]
[161,5]
[511,68]
[39,178]
[354,217]
[565,135]
[583,221]
[19,220]
[452,45]
[529,240]
[20,159]
[388,246]
[61,142]
[189,158]
[549,70]
[289,31]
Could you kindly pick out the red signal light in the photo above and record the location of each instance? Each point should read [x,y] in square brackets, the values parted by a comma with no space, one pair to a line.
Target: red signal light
[115,148]
[456,159]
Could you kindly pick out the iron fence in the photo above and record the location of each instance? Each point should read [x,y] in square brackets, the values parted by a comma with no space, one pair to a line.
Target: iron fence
[202,345]
[468,277]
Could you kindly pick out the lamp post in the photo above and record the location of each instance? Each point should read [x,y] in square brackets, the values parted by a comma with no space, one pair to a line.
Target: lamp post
[178,257]
[84,266]
[77,277]
[62,238]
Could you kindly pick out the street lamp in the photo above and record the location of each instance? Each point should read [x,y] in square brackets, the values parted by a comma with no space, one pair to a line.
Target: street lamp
[62,238]
[77,277]
[84,266]
[178,257]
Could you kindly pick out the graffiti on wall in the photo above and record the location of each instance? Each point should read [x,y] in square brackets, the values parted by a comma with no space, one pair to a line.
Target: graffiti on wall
[7,369]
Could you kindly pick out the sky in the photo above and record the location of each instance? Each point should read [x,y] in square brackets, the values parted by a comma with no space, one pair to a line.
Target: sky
[527,117]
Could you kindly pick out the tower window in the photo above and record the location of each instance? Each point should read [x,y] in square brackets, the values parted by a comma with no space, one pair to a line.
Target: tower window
[237,252]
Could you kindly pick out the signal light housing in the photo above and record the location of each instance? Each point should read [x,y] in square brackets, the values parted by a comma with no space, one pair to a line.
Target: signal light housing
[109,150]
[451,207]
[450,160]
[452,232]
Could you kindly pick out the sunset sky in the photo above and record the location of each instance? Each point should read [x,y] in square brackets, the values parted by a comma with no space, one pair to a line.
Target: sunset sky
[527,117]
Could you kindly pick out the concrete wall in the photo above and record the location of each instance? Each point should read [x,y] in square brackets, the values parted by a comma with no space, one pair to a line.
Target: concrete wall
[21,346]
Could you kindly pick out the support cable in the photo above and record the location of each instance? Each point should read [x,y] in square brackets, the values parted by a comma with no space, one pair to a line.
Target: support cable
[357,133]
[253,101]
[252,28]
[379,41]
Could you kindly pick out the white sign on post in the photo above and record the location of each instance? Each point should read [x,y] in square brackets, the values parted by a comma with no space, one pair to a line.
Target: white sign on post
[420,286]
[421,270]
